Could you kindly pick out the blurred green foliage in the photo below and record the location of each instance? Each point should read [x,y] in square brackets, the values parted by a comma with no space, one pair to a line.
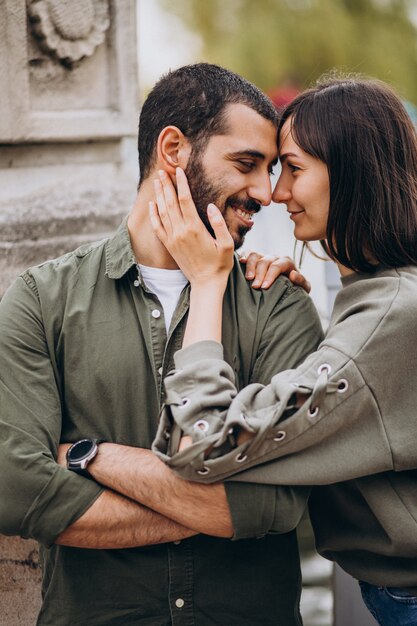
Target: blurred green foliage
[270,41]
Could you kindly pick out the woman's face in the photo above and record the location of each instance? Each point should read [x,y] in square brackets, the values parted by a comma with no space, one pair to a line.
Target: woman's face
[304,187]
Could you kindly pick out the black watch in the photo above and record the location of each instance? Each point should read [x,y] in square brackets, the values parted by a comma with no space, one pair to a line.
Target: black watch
[81,453]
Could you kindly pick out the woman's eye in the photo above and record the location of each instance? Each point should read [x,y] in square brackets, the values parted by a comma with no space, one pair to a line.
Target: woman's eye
[293,168]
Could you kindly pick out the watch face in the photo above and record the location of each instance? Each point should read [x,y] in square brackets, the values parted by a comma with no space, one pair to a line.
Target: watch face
[81,449]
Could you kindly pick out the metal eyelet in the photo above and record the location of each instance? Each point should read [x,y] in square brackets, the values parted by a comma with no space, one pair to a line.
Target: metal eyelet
[184,402]
[201,425]
[203,471]
[281,434]
[342,385]
[313,412]
[325,367]
[241,457]
[167,435]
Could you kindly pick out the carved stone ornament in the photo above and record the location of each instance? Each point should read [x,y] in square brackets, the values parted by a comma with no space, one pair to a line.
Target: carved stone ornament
[69,29]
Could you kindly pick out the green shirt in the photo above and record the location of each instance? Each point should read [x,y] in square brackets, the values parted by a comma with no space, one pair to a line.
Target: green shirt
[83,352]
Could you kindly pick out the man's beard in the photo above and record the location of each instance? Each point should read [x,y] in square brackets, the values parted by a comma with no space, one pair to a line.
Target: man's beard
[205,191]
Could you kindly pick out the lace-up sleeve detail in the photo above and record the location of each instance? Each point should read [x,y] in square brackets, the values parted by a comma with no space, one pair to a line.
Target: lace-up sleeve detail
[300,409]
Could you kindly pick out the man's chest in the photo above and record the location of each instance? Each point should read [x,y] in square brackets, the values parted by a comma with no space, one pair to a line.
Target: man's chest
[112,354]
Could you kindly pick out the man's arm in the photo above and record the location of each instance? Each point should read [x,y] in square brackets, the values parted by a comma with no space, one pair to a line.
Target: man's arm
[139,475]
[117,522]
[38,498]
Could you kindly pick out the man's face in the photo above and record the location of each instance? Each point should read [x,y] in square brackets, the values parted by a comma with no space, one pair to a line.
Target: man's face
[234,170]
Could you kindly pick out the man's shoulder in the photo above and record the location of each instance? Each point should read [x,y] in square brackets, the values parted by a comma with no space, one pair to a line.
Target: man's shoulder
[282,289]
[65,268]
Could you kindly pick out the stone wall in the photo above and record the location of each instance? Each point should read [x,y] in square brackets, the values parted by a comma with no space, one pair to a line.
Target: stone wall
[68,167]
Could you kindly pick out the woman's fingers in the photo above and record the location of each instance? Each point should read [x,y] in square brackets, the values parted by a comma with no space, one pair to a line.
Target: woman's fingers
[275,269]
[264,270]
[186,202]
[221,232]
[298,279]
[256,266]
[156,223]
[161,206]
[172,202]
[281,266]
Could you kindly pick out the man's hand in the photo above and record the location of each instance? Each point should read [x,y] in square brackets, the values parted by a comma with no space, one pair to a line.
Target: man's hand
[185,442]
[265,269]
[62,453]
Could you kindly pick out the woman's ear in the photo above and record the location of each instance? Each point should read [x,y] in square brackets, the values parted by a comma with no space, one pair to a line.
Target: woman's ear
[173,149]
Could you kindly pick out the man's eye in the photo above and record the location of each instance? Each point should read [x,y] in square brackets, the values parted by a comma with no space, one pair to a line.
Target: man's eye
[271,171]
[247,165]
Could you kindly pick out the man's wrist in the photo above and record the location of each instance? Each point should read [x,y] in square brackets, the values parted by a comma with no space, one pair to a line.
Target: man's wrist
[80,455]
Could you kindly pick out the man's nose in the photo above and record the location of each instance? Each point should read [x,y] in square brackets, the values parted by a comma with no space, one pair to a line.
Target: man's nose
[261,190]
[282,192]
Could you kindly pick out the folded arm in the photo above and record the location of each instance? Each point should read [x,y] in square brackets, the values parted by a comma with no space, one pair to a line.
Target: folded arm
[38,498]
[139,475]
[113,521]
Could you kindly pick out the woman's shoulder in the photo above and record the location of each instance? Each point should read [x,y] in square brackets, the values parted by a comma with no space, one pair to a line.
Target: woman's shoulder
[373,309]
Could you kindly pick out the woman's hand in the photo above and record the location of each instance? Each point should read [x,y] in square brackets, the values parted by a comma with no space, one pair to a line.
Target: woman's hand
[263,270]
[203,258]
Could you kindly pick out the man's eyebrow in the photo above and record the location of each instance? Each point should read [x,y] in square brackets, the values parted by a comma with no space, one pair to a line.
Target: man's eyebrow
[255,154]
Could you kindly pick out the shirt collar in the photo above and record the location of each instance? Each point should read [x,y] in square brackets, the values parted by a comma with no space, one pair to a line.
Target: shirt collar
[119,253]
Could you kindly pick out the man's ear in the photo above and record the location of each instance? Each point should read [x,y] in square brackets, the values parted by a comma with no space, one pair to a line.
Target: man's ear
[173,149]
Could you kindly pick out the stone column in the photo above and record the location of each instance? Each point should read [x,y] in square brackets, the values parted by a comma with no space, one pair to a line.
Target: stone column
[68,166]
[68,118]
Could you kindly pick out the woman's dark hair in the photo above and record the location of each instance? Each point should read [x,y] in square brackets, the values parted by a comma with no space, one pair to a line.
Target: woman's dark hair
[194,98]
[362,132]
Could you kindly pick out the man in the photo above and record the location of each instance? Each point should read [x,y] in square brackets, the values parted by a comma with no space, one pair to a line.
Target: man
[85,343]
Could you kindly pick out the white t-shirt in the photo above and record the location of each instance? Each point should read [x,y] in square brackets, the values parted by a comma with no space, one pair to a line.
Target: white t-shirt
[167,285]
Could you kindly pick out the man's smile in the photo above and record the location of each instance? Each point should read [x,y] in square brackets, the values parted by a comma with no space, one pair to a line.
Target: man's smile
[244,212]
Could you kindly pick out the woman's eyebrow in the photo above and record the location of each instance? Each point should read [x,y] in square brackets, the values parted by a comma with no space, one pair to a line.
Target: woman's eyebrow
[284,157]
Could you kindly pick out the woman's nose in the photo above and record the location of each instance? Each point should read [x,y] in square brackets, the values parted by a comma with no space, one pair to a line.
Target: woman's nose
[282,192]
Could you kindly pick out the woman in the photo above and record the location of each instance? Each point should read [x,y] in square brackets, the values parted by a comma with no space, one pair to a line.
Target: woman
[346,419]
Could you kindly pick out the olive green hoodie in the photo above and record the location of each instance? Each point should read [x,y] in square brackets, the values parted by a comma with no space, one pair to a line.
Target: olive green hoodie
[355,436]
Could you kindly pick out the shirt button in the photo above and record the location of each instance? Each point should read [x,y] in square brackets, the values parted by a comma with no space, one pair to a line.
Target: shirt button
[156,313]
[160,371]
[179,603]
[176,543]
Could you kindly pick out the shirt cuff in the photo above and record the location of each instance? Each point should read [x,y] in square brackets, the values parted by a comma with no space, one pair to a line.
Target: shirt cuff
[252,508]
[198,351]
[61,502]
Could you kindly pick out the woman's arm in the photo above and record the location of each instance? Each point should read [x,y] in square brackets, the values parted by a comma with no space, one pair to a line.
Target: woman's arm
[205,260]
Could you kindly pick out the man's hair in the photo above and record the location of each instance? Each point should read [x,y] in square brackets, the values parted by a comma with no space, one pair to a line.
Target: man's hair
[360,129]
[193,98]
